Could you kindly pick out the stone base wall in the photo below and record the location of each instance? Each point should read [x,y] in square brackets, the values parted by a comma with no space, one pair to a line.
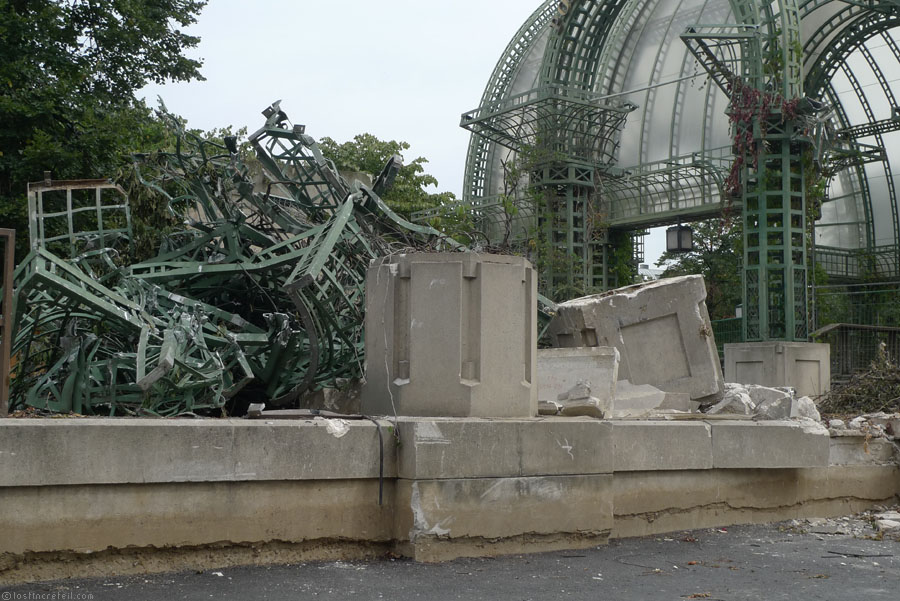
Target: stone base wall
[124,496]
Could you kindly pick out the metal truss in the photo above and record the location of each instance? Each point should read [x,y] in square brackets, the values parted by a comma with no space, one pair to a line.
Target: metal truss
[566,122]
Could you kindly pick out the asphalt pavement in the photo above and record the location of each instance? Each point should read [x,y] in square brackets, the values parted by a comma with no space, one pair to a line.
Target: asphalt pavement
[760,563]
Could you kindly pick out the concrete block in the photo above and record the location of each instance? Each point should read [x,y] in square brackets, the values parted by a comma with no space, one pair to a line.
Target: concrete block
[478,448]
[119,451]
[90,518]
[861,450]
[643,399]
[451,334]
[661,330]
[752,445]
[804,366]
[559,369]
[549,407]
[432,514]
[589,407]
[651,446]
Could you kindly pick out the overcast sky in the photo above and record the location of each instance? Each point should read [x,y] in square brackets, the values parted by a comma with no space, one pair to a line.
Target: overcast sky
[399,69]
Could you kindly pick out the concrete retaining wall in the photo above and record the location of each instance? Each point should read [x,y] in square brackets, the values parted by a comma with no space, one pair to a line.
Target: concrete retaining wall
[282,490]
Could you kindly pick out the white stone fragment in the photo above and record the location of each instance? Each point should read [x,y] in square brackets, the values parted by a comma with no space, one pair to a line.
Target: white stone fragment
[783,408]
[548,407]
[856,423]
[591,407]
[807,408]
[761,394]
[581,390]
[734,403]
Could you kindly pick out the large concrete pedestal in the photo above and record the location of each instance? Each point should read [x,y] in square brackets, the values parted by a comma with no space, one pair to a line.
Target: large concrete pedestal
[661,330]
[804,366]
[451,334]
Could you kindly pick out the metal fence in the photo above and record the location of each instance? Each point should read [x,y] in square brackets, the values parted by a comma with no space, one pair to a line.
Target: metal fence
[726,331]
[854,347]
[855,319]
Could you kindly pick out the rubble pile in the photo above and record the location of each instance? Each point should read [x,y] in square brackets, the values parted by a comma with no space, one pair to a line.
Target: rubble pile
[657,334]
[763,402]
[873,390]
[258,295]
[880,523]
[872,425]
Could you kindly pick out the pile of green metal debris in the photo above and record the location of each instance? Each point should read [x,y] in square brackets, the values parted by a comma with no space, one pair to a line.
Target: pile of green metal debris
[259,297]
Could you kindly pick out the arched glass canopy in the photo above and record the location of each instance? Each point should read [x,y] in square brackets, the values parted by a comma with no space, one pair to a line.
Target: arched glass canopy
[638,113]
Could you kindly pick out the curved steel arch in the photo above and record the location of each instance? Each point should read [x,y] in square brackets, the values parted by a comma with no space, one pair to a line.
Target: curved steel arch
[658,141]
[481,150]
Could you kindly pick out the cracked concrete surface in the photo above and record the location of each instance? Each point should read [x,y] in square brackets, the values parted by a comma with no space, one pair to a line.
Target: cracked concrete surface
[772,562]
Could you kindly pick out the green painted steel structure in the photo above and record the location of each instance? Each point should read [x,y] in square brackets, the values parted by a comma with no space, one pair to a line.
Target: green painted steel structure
[625,114]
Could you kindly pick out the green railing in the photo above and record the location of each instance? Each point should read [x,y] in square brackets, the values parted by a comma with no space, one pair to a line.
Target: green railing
[857,320]
[726,331]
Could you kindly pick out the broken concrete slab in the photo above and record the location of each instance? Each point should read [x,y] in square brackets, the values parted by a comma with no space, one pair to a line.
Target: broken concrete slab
[445,519]
[734,402]
[803,366]
[643,400]
[783,408]
[589,407]
[861,450]
[549,408]
[760,394]
[661,330]
[451,334]
[775,444]
[578,401]
[558,370]
[434,448]
[660,445]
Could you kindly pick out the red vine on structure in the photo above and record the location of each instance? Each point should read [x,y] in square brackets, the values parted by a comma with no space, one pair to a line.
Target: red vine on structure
[748,104]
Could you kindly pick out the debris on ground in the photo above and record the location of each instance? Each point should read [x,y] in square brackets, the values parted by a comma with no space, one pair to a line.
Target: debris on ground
[874,390]
[879,523]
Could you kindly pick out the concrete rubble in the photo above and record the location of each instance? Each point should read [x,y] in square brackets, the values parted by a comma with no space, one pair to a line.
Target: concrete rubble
[764,403]
[579,400]
[661,330]
[559,369]
[873,425]
[879,523]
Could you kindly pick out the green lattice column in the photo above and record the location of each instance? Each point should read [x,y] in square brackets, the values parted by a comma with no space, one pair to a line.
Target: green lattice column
[775,242]
[573,252]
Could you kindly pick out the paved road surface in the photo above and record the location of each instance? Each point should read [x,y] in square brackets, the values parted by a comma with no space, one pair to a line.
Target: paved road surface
[743,563]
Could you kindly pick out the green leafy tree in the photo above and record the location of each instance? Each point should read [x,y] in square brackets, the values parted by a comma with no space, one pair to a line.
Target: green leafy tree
[367,154]
[717,256]
[68,76]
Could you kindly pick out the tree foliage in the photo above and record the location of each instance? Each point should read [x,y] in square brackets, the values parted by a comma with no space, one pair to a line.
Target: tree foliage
[717,256]
[68,76]
[367,154]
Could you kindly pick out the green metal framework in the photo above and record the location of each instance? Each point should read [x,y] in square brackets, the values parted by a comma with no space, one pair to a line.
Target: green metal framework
[260,294]
[627,114]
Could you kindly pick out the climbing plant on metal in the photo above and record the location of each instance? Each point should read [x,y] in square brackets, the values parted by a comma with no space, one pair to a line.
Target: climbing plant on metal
[627,114]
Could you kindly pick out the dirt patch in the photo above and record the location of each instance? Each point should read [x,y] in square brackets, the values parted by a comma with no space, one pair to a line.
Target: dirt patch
[33,567]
